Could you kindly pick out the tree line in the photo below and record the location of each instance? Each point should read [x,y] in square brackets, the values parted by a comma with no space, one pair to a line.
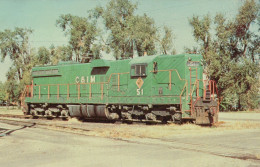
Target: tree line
[230,51]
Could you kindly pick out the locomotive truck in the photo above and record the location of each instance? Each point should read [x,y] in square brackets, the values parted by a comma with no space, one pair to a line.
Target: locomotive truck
[158,88]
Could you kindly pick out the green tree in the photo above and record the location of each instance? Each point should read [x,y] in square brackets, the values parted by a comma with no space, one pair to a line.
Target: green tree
[60,53]
[43,56]
[230,53]
[128,32]
[82,35]
[2,92]
[167,41]
[118,18]
[12,86]
[144,35]
[201,33]
[15,45]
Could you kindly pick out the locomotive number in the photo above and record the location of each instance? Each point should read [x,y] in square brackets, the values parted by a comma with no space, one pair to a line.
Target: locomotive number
[139,92]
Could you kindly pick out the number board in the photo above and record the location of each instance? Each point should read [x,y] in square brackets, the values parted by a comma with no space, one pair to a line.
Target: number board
[193,63]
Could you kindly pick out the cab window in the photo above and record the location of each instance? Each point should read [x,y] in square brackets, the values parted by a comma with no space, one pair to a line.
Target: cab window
[138,70]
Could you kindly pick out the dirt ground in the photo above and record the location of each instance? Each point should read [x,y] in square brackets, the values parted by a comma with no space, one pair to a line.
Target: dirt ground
[32,147]
[234,141]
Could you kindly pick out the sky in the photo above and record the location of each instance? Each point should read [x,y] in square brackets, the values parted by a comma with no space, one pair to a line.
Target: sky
[41,16]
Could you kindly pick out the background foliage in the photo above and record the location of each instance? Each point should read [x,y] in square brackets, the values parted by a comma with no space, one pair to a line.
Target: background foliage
[230,53]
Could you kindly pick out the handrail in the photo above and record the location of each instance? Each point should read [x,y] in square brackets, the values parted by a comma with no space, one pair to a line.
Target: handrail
[186,85]
[181,79]
[178,74]
[215,91]
[107,82]
[68,91]
[90,93]
[89,83]
[193,88]
[170,70]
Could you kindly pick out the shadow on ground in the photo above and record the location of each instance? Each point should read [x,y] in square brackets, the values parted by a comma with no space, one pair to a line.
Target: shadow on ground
[5,132]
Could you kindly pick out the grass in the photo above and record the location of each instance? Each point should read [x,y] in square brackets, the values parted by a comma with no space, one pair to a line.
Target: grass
[165,131]
[240,125]
[10,110]
[247,111]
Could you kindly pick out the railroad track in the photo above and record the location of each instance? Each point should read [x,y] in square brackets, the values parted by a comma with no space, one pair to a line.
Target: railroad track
[17,120]
[57,124]
[217,149]
[82,120]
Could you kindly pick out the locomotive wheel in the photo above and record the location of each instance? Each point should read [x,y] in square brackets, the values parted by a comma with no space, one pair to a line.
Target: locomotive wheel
[177,117]
[34,114]
[48,115]
[150,117]
[64,114]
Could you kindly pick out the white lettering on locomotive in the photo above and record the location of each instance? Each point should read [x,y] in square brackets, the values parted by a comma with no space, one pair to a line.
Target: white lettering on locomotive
[139,92]
[77,79]
[86,79]
[92,79]
[82,79]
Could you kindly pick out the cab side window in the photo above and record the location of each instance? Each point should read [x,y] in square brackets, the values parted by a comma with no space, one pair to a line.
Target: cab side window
[138,70]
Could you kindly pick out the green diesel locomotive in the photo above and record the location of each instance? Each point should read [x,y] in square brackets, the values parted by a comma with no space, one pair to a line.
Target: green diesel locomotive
[149,88]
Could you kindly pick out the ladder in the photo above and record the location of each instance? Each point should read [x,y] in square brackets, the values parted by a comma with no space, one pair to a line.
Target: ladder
[193,83]
[210,90]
